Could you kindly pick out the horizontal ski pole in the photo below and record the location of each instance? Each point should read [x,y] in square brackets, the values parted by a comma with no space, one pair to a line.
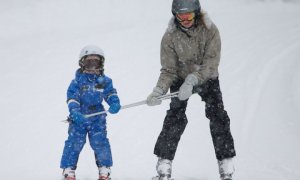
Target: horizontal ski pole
[163,97]
[139,103]
[123,107]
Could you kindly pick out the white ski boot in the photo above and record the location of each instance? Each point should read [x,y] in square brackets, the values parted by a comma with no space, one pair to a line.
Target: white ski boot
[226,169]
[69,174]
[164,169]
[104,173]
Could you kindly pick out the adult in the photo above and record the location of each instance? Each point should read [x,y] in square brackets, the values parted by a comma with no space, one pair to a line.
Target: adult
[190,56]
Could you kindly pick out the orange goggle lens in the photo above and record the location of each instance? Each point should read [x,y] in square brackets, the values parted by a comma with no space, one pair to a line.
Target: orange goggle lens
[185,16]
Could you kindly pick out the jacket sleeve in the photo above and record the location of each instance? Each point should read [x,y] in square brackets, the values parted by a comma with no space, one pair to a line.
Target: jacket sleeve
[73,96]
[169,61]
[110,93]
[209,68]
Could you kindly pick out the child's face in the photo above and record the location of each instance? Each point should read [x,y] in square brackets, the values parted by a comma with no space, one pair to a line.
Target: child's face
[92,64]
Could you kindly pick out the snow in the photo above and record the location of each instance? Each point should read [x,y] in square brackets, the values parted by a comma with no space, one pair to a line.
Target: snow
[259,75]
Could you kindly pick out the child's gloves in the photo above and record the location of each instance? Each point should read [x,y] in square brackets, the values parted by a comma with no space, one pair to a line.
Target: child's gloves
[186,89]
[114,108]
[114,104]
[77,117]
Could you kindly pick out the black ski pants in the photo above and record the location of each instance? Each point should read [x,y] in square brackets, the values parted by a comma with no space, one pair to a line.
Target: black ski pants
[176,121]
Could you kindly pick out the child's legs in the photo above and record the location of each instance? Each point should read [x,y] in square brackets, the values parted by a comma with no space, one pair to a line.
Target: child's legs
[73,146]
[99,142]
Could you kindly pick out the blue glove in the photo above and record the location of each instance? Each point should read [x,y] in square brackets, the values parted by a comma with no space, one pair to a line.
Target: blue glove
[114,108]
[77,117]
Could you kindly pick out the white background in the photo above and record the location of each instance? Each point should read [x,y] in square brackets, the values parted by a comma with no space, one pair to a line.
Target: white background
[259,74]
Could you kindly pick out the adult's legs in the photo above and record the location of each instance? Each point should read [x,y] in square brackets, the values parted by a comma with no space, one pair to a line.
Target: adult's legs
[173,127]
[219,120]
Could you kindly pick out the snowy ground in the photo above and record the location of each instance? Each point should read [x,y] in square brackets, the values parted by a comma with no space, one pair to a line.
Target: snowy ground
[39,45]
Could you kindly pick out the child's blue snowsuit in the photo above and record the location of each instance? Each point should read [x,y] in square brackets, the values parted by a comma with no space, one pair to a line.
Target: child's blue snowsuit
[87,92]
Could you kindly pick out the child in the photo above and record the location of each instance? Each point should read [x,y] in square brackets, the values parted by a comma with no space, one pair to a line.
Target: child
[84,96]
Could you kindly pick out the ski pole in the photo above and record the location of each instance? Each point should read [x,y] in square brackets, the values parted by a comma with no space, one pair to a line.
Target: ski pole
[163,97]
[139,103]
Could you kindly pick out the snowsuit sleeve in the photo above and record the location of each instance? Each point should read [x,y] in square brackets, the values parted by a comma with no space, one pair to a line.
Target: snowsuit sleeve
[110,93]
[73,96]
[209,67]
[168,59]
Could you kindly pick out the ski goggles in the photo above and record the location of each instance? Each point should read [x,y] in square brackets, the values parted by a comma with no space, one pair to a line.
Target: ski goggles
[185,16]
[93,63]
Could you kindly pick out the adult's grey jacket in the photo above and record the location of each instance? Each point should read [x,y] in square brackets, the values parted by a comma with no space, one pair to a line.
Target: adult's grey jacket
[196,51]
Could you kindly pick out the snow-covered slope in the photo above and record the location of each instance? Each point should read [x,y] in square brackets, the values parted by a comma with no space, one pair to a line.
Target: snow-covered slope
[259,72]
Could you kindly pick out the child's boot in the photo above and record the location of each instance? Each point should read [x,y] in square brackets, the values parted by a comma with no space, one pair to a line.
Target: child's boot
[69,174]
[104,173]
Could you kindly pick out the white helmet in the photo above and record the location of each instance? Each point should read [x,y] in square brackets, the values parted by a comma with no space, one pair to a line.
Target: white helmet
[91,49]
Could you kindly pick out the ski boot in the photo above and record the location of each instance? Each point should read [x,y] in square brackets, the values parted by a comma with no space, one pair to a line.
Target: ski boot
[226,169]
[69,174]
[162,177]
[164,169]
[104,173]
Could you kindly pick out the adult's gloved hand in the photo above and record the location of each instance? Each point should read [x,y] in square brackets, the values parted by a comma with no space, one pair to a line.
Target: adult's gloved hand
[152,99]
[77,117]
[114,108]
[186,89]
